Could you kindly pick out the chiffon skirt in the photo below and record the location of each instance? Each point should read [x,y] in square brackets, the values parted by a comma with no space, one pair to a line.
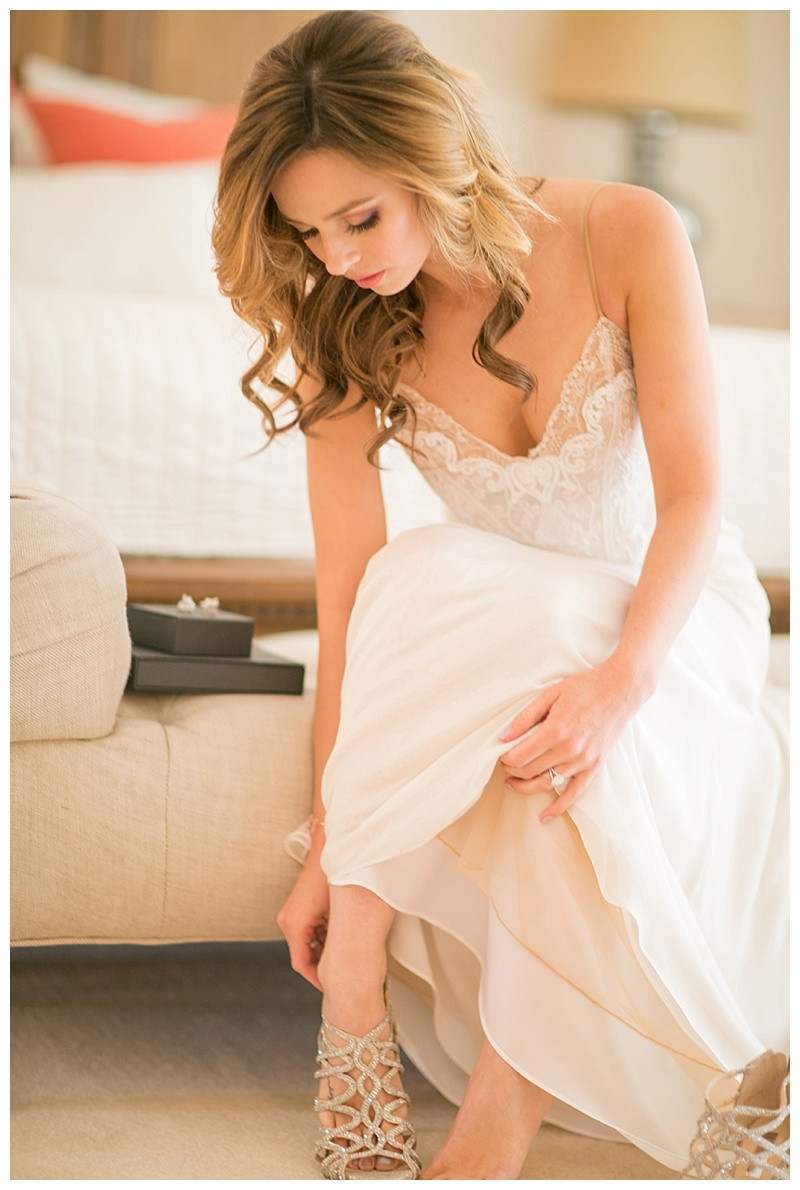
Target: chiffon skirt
[624,953]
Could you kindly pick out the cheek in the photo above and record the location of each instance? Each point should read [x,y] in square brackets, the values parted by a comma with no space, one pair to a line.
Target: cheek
[412,237]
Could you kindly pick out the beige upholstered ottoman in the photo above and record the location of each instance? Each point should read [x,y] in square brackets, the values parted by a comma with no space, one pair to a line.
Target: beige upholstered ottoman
[135,817]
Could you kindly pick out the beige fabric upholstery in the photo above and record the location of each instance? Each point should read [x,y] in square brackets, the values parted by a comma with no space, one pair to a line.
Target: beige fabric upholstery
[170,829]
[70,649]
[143,817]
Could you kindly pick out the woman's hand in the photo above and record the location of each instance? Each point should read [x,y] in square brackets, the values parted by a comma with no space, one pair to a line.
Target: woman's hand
[576,723]
[303,919]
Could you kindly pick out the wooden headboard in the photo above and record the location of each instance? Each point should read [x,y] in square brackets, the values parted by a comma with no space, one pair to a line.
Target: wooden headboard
[207,54]
[279,593]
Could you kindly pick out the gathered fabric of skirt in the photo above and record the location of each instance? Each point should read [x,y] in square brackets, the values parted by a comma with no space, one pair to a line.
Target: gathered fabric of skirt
[623,954]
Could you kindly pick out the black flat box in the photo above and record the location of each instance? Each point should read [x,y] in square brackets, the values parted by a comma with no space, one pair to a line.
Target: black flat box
[198,633]
[260,673]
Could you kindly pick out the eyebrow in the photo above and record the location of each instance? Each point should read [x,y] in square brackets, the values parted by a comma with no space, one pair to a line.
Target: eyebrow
[351,206]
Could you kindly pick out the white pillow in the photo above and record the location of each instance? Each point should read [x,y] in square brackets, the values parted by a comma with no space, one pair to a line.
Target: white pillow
[28,146]
[136,228]
[42,77]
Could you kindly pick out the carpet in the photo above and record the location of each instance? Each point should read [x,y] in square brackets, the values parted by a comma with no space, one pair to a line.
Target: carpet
[196,1062]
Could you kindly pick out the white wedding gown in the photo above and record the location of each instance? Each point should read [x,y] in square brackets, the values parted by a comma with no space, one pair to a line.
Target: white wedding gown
[623,954]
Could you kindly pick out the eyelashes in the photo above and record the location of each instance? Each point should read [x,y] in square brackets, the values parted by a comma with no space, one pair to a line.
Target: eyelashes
[354,228]
[371,221]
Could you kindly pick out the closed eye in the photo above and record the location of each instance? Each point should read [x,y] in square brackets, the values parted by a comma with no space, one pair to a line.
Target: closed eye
[371,221]
[353,228]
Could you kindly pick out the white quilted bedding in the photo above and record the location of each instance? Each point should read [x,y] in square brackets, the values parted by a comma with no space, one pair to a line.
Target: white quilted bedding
[129,404]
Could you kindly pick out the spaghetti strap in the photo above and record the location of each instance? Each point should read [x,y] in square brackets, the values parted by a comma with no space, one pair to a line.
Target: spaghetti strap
[592,278]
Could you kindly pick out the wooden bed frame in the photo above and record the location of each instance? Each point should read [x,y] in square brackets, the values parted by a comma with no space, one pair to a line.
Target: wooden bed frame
[207,53]
[279,592]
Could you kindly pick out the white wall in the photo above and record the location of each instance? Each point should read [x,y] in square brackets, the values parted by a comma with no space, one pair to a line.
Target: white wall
[736,179]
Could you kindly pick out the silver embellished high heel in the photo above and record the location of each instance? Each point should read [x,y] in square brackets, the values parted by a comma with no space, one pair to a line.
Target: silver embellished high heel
[370,1068]
[744,1131]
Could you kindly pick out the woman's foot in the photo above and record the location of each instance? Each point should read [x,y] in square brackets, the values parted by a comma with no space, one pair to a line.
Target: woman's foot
[499,1117]
[366,1128]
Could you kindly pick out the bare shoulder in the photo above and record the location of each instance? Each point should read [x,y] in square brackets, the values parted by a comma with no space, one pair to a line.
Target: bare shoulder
[624,215]
[614,203]
[634,234]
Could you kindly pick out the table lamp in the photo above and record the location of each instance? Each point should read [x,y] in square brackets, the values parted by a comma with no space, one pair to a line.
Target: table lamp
[657,67]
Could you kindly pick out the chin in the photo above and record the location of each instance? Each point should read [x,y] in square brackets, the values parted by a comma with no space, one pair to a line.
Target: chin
[389,286]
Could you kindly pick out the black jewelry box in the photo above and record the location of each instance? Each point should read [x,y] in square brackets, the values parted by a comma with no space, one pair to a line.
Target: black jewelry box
[261,672]
[204,633]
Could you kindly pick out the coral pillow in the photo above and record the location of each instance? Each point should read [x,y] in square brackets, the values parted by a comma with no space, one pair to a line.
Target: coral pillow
[44,78]
[74,133]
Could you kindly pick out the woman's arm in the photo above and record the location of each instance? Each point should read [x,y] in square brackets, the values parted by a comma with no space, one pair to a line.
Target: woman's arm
[349,527]
[668,329]
[649,278]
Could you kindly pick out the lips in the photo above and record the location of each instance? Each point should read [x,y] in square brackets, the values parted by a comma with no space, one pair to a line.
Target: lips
[369,280]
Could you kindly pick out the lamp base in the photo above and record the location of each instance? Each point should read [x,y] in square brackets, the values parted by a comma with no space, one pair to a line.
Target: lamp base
[652,130]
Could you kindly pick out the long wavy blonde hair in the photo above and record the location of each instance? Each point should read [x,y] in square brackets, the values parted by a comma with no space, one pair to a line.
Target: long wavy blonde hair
[360,85]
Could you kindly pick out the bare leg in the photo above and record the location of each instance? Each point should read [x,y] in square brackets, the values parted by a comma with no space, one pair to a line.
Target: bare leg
[499,1117]
[352,972]
[352,968]
[501,1112]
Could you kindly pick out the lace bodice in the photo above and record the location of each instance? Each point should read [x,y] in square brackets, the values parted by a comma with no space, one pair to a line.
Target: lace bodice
[584,489]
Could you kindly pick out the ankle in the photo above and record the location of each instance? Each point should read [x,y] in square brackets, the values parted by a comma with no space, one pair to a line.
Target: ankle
[344,973]
[354,1004]
[355,1015]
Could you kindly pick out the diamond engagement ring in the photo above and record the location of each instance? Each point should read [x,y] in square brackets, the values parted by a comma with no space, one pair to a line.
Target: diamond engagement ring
[557,782]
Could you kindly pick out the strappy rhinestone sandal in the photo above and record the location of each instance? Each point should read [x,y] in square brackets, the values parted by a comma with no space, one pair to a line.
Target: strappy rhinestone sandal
[370,1069]
[744,1132]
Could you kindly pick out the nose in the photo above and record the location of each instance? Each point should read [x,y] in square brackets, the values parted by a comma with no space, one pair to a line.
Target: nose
[339,256]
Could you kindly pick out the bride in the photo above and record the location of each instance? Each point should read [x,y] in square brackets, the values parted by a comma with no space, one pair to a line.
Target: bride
[549,811]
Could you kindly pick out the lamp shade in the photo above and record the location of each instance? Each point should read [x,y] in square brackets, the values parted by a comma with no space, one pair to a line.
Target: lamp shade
[688,62]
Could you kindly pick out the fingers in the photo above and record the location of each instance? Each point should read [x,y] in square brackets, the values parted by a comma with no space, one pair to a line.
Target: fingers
[568,798]
[530,716]
[554,741]
[304,959]
[305,951]
[539,782]
[559,740]
[542,783]
[568,729]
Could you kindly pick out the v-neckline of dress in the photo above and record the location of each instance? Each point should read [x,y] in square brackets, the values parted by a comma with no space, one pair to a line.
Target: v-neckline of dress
[603,322]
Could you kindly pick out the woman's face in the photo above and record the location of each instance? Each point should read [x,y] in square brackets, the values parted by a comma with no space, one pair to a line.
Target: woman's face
[359,225]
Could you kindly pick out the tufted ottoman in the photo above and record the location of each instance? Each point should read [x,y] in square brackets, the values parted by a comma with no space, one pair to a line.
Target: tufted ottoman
[136,817]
